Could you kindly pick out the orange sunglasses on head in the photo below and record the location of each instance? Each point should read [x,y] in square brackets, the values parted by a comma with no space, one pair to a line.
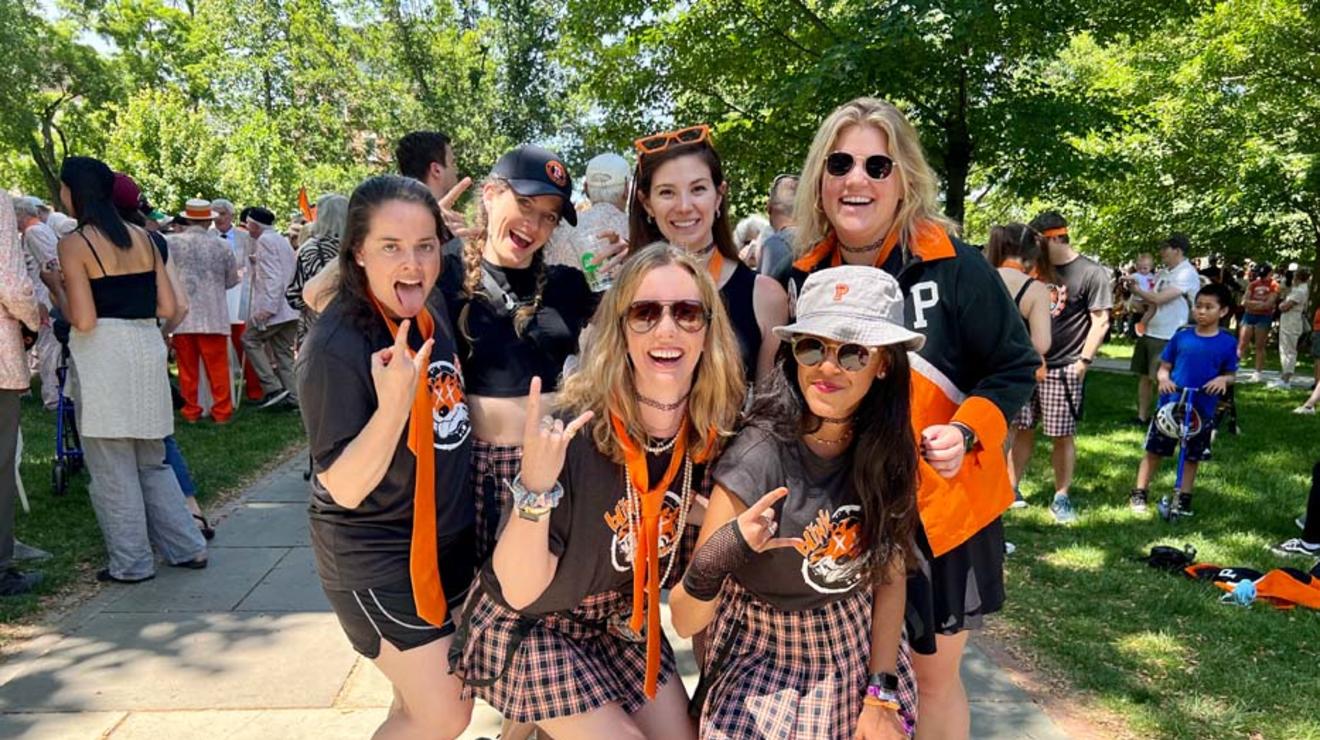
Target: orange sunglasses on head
[656,143]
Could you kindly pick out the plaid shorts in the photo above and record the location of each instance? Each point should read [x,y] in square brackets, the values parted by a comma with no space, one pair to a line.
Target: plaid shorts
[492,467]
[540,668]
[771,673]
[1057,401]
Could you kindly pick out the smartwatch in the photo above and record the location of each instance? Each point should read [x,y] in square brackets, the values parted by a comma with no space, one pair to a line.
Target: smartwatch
[969,437]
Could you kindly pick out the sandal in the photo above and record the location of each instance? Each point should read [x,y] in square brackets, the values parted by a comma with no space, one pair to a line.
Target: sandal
[103,575]
[208,531]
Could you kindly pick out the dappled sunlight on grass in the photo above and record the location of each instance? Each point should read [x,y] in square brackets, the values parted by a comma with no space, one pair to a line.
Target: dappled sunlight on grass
[1077,557]
[1159,653]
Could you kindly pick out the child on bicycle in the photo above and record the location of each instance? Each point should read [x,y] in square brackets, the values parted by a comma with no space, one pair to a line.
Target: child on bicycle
[1201,358]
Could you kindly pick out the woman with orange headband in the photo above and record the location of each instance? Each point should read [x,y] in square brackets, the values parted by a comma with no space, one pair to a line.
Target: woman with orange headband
[383,404]
[565,631]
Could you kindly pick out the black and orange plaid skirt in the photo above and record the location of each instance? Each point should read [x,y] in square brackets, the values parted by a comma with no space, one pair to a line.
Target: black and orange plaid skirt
[532,669]
[492,467]
[771,673]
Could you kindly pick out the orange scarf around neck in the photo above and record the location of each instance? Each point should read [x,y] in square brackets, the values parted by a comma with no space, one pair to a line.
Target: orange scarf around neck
[423,551]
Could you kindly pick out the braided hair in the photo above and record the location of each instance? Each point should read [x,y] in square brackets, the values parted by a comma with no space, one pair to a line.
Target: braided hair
[472,254]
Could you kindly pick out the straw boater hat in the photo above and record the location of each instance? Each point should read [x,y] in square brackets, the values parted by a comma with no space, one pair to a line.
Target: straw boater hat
[198,209]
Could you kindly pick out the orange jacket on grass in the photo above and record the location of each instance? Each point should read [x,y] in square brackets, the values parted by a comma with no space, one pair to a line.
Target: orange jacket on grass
[1284,588]
[977,368]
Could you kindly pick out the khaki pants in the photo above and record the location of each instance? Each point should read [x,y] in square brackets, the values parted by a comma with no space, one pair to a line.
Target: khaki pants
[270,350]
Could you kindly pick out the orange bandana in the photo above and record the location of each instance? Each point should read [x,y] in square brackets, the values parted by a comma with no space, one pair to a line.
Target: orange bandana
[423,551]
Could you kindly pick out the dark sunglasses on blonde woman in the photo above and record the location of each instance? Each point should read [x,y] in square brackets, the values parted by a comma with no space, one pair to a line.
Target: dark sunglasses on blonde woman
[810,352]
[877,166]
[656,143]
[643,316]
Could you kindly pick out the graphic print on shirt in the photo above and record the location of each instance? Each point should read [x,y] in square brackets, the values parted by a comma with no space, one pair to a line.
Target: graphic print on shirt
[624,543]
[449,409]
[831,550]
[1058,299]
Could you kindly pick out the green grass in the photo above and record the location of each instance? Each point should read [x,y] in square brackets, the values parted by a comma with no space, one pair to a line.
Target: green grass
[221,459]
[1120,348]
[1160,649]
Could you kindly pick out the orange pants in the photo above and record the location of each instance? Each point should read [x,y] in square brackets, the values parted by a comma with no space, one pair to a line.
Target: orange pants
[210,350]
[251,383]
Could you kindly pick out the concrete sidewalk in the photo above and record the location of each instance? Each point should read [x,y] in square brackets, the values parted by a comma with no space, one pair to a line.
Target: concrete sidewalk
[249,649]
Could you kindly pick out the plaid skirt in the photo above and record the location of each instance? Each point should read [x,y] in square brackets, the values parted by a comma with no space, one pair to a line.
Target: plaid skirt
[534,668]
[492,467]
[771,673]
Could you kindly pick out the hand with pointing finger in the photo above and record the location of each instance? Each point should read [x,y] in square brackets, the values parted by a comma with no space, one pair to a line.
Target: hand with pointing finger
[395,372]
[545,443]
[758,526]
[454,220]
[733,544]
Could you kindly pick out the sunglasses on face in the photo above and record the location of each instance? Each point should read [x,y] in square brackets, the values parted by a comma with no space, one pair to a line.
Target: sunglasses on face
[877,166]
[656,143]
[643,316]
[811,351]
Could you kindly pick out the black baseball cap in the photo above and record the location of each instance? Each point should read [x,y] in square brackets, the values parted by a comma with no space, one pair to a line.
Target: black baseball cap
[261,215]
[533,171]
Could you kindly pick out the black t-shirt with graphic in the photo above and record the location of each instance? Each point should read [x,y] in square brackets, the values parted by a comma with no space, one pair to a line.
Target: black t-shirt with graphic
[590,530]
[499,362]
[1082,287]
[820,508]
[368,546]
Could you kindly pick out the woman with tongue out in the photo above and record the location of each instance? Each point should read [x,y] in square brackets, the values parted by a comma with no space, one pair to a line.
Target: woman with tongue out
[382,401]
[679,198]
[517,317]
[565,631]
[867,197]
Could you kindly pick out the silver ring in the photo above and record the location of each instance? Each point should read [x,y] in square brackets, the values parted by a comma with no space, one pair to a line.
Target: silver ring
[547,422]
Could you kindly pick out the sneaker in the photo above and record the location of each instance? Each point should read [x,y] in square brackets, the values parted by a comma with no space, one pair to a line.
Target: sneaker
[1304,410]
[1296,546]
[24,551]
[1063,510]
[1255,377]
[1184,504]
[1139,500]
[1279,385]
[15,582]
[1018,501]
[272,399]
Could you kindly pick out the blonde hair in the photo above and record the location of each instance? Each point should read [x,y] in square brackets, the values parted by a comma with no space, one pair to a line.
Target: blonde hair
[920,200]
[604,380]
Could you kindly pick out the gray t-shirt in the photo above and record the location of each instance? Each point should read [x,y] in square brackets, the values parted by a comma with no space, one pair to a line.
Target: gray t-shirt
[820,508]
[777,254]
[1082,287]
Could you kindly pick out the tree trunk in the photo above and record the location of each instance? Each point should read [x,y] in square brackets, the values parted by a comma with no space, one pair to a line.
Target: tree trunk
[957,154]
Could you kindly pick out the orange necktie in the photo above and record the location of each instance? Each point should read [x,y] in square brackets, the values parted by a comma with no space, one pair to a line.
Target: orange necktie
[423,551]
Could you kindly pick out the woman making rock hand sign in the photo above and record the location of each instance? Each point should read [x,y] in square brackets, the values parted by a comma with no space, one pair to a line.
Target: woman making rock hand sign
[566,630]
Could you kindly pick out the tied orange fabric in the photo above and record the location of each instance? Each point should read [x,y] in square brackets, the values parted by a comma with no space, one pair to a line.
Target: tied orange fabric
[715,266]
[423,551]
[1013,264]
[646,545]
[1058,231]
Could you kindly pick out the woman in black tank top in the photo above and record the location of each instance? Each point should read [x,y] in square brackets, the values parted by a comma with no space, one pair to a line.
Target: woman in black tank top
[679,198]
[114,288]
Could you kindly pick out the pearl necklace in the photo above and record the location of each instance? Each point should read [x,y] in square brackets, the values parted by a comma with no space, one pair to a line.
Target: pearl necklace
[666,447]
[635,516]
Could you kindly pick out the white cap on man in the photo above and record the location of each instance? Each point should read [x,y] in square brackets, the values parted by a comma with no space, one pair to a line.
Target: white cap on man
[607,171]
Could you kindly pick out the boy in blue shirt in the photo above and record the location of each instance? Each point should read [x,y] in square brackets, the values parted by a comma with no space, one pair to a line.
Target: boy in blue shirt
[1202,357]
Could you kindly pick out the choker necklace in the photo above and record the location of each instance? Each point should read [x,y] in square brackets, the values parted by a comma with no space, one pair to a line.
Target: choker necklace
[835,419]
[662,405]
[699,253]
[862,250]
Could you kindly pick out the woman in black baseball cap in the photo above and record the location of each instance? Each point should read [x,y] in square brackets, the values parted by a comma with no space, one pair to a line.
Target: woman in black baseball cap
[517,317]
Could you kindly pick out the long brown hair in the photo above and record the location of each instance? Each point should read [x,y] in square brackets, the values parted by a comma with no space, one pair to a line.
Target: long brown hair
[1021,242]
[883,471]
[604,380]
[643,230]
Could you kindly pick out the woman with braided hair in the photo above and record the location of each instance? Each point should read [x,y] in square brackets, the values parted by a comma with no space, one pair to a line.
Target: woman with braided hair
[517,317]
[565,631]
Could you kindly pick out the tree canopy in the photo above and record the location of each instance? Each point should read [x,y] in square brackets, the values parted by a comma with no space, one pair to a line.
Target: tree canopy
[1133,118]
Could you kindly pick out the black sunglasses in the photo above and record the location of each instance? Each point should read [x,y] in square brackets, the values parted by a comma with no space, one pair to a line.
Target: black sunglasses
[691,316]
[811,351]
[878,166]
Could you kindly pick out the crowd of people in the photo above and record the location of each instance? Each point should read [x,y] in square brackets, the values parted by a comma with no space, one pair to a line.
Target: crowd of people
[529,421]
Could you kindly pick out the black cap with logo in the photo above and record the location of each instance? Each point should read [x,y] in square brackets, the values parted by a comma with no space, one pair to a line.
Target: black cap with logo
[533,171]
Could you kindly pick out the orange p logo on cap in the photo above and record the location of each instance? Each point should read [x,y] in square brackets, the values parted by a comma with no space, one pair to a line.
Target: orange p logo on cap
[840,290]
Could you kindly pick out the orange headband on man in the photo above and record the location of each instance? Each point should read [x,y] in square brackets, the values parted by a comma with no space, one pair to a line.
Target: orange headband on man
[1051,233]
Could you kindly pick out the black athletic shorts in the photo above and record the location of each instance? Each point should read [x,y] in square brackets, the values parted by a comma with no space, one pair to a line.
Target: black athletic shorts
[1198,445]
[369,614]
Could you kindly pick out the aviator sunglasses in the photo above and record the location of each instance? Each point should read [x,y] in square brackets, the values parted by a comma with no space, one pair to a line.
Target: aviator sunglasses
[691,316]
[877,166]
[811,351]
